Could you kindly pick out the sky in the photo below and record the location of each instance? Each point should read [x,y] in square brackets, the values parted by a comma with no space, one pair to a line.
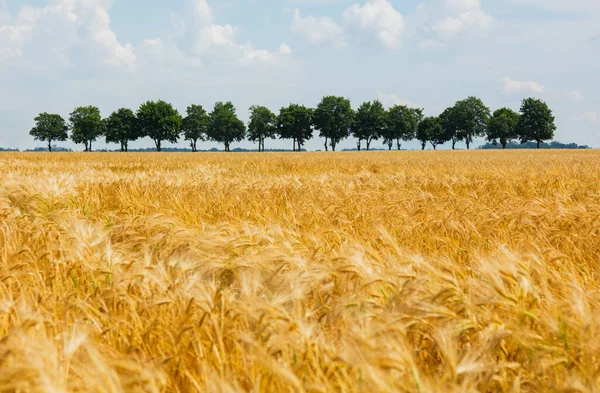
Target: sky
[56,55]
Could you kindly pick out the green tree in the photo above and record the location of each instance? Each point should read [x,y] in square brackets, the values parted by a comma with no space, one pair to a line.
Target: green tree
[431,128]
[49,128]
[333,118]
[225,127]
[502,126]
[295,122]
[159,121]
[263,125]
[401,125]
[536,122]
[86,125]
[369,122]
[195,125]
[121,127]
[466,120]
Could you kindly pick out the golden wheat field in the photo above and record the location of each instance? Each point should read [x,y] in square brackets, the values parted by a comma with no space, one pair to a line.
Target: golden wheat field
[345,272]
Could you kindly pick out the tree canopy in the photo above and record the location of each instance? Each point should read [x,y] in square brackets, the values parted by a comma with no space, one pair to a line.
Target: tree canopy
[295,122]
[225,127]
[466,120]
[369,122]
[431,130]
[160,122]
[195,125]
[333,117]
[502,127]
[49,127]
[262,125]
[86,125]
[536,122]
[121,127]
[401,124]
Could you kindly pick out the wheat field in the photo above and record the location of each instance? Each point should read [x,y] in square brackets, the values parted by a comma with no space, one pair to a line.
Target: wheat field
[319,272]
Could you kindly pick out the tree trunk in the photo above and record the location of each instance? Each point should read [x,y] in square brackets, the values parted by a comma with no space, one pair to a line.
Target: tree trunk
[90,146]
[538,144]
[332,145]
[423,145]
[390,145]
[468,141]
[368,144]
[504,146]
[326,147]
[157,142]
[453,144]
[358,144]
[398,144]
[49,145]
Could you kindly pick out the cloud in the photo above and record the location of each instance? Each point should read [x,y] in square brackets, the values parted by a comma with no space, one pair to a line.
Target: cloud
[317,29]
[379,17]
[515,86]
[573,95]
[51,31]
[389,100]
[587,117]
[465,15]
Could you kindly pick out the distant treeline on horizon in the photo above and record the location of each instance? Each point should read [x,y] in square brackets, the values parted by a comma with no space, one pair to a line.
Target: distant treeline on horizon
[334,118]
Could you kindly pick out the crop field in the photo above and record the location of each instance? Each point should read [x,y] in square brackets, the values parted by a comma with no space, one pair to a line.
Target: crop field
[318,272]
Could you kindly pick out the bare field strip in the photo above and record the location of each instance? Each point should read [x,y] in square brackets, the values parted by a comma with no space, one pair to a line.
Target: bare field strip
[350,272]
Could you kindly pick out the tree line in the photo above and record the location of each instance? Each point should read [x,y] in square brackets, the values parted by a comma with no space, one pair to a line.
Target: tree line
[334,118]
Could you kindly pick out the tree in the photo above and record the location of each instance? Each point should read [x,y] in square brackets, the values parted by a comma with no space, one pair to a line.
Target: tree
[295,122]
[333,118]
[86,125]
[466,120]
[225,127]
[433,132]
[369,122]
[536,122]
[159,121]
[121,127]
[401,124]
[49,127]
[195,125]
[502,126]
[263,125]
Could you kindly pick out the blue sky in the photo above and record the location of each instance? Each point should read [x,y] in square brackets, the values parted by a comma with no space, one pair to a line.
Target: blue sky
[58,54]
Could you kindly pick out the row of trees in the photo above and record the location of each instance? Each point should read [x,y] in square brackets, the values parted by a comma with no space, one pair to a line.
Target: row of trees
[334,118]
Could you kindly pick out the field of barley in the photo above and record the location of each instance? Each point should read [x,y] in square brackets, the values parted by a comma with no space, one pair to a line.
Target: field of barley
[319,272]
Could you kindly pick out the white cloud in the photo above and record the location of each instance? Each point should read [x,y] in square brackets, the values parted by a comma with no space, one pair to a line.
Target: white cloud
[389,100]
[380,17]
[573,95]
[587,117]
[317,29]
[515,86]
[202,11]
[465,15]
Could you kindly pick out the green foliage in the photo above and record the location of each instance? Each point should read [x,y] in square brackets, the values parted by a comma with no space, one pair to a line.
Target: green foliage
[502,126]
[295,122]
[466,120]
[369,122]
[401,123]
[86,125]
[49,127]
[195,125]
[333,117]
[536,122]
[121,127]
[225,127]
[431,130]
[159,121]
[263,125]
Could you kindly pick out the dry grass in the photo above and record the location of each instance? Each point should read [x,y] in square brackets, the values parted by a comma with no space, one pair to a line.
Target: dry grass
[374,272]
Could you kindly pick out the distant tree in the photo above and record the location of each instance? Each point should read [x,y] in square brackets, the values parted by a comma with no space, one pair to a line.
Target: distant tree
[401,125]
[466,120]
[49,128]
[86,125]
[159,121]
[502,126]
[333,118]
[263,125]
[369,122]
[121,127]
[295,122]
[225,127]
[195,125]
[435,133]
[536,122]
